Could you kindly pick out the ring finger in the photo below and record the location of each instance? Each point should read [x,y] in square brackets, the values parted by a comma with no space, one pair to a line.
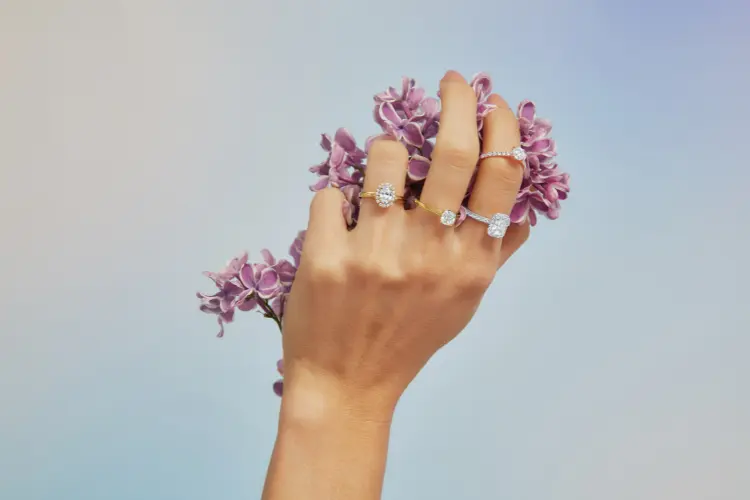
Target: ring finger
[498,178]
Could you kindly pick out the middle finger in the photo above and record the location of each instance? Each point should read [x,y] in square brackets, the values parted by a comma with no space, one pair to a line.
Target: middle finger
[456,147]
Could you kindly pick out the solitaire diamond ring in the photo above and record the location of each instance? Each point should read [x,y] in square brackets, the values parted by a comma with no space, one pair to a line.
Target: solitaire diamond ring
[447,217]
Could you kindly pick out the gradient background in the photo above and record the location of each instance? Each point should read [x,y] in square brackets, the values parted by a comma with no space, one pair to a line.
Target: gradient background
[143,142]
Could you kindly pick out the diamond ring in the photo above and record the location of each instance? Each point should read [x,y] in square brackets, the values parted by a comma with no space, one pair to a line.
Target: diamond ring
[385,196]
[447,217]
[518,153]
[496,225]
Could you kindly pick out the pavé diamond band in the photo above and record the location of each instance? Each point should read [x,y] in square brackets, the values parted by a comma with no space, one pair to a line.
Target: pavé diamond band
[518,153]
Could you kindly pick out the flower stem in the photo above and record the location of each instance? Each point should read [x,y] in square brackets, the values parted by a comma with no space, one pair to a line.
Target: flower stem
[268,312]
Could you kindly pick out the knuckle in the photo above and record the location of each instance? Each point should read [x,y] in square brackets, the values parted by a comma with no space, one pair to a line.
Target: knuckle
[428,275]
[324,272]
[458,152]
[385,149]
[376,272]
[510,173]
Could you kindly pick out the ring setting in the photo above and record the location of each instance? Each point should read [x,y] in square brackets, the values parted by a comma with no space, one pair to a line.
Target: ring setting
[518,153]
[447,217]
[385,195]
[497,225]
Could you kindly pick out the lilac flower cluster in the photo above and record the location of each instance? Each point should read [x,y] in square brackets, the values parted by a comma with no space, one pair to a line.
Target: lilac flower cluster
[412,118]
[544,185]
[244,286]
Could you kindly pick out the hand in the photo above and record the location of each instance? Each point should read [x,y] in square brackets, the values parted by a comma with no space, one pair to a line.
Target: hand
[371,306]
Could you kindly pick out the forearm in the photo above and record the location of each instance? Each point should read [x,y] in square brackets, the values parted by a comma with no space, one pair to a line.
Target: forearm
[327,449]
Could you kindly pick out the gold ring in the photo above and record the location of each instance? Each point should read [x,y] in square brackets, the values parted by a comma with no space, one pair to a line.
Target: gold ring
[385,196]
[447,217]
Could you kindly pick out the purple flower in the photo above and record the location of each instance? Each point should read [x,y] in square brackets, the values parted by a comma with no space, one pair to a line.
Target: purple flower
[431,117]
[278,386]
[408,101]
[413,119]
[230,271]
[296,249]
[398,125]
[544,184]
[350,207]
[222,303]
[531,127]
[344,163]
[419,166]
[244,286]
[269,278]
[482,85]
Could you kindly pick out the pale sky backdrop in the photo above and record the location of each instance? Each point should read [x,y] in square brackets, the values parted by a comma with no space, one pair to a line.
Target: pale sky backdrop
[144,141]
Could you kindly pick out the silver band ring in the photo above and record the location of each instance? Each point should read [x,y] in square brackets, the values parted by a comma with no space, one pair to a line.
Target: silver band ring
[518,153]
[496,225]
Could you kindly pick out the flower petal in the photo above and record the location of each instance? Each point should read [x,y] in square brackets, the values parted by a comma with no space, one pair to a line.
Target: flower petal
[413,134]
[345,139]
[325,142]
[295,250]
[520,211]
[277,305]
[419,166]
[268,257]
[482,85]
[338,155]
[430,107]
[527,110]
[320,168]
[532,217]
[389,115]
[246,276]
[268,284]
[246,301]
[286,272]
[321,183]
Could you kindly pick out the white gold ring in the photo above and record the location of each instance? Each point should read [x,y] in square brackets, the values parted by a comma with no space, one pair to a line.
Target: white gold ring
[496,225]
[518,153]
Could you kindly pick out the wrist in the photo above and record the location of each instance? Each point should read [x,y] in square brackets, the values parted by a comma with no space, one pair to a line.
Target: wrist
[312,399]
[332,442]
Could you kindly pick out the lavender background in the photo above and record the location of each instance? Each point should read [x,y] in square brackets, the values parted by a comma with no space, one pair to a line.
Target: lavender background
[142,142]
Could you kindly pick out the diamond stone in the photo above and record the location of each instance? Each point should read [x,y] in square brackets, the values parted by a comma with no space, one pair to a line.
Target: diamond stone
[385,195]
[448,218]
[498,225]
[518,153]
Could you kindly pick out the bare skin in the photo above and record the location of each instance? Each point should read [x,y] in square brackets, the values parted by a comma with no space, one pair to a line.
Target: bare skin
[371,306]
